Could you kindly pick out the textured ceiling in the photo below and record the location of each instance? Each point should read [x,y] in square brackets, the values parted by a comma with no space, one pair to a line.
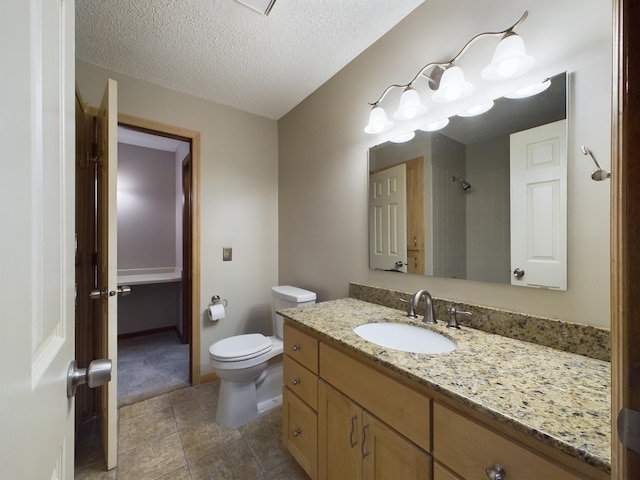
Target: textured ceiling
[223,51]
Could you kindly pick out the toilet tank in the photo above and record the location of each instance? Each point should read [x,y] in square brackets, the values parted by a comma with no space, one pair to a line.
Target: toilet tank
[286,296]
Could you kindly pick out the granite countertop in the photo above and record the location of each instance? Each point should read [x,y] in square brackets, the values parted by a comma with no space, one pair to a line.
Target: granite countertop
[560,398]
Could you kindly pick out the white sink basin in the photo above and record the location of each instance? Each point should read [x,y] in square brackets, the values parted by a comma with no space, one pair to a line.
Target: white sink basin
[407,338]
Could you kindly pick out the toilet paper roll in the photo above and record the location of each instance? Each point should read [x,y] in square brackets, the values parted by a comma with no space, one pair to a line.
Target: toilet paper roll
[215,312]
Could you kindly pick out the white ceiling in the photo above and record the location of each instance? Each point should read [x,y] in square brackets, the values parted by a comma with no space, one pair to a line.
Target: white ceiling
[223,51]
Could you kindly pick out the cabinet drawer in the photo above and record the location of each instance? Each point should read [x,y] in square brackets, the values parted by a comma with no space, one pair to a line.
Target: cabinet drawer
[468,448]
[301,381]
[300,431]
[441,473]
[392,402]
[302,347]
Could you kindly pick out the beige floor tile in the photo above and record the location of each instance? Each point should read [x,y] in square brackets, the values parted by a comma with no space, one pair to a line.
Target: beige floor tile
[181,474]
[151,460]
[144,407]
[204,390]
[143,429]
[267,446]
[191,412]
[205,436]
[289,470]
[227,462]
[272,418]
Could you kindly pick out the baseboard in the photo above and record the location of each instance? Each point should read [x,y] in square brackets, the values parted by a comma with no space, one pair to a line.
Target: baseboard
[150,332]
[208,377]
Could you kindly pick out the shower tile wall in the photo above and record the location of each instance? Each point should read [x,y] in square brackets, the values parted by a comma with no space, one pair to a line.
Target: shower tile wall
[488,233]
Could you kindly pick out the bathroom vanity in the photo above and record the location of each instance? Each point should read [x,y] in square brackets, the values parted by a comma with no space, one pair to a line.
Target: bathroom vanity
[494,406]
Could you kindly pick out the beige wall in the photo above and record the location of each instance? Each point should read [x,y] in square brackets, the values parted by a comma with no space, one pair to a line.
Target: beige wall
[239,158]
[323,160]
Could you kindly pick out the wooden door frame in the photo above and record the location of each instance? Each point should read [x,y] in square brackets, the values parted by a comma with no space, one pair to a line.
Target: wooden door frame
[194,138]
[625,229]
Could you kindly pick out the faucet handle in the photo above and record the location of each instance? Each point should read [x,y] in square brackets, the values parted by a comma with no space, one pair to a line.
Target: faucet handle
[411,313]
[453,317]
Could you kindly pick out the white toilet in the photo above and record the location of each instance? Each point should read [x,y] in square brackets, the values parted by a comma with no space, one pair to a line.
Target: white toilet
[250,365]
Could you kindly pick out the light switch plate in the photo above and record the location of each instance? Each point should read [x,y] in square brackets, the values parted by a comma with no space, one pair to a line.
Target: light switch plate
[226,254]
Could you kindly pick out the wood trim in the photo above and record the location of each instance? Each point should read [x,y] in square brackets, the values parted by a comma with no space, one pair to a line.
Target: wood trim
[194,137]
[625,233]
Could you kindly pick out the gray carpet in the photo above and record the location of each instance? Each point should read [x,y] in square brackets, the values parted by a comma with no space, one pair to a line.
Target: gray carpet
[150,365]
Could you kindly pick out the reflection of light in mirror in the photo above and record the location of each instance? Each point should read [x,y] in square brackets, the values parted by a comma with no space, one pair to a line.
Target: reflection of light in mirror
[432,127]
[530,90]
[477,110]
[404,137]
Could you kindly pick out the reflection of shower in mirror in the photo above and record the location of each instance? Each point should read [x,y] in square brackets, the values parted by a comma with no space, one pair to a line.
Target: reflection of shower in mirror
[465,185]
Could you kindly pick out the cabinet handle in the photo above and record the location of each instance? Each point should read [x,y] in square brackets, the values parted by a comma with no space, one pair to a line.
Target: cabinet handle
[296,432]
[353,428]
[364,440]
[496,472]
[295,347]
[295,381]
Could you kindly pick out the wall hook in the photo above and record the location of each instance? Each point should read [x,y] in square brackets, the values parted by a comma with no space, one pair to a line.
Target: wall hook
[598,174]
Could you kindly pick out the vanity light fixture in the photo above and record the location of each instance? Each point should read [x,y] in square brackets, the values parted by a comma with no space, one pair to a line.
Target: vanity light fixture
[448,82]
[410,105]
[404,137]
[434,126]
[477,110]
[531,90]
[453,86]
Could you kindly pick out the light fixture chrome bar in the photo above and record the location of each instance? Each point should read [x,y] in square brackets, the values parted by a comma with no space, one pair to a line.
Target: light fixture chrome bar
[261,6]
[434,80]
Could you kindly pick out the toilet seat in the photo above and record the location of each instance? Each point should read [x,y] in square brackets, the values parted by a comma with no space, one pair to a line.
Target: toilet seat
[240,347]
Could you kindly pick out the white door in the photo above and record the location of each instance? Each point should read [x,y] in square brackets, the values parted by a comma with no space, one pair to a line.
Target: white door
[388,219]
[36,238]
[539,206]
[107,265]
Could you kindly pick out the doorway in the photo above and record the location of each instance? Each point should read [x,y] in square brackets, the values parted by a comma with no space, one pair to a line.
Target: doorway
[153,205]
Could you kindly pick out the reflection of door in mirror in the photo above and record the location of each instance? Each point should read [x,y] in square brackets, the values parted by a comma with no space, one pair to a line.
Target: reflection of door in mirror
[415,216]
[538,206]
[388,219]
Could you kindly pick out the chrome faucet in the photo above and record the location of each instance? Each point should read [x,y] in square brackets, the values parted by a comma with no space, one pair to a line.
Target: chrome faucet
[453,317]
[429,313]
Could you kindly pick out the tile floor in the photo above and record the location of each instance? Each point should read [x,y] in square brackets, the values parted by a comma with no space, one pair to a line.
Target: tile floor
[175,437]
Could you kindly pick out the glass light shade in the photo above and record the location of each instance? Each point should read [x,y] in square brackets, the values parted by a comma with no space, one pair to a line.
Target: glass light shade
[453,86]
[531,90]
[432,127]
[410,105]
[477,110]
[404,137]
[378,121]
[509,59]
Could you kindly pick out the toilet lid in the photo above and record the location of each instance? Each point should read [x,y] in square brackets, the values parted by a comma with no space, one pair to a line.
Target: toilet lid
[240,347]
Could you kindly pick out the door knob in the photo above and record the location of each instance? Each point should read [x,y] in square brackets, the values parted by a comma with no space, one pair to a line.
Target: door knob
[518,273]
[122,290]
[98,373]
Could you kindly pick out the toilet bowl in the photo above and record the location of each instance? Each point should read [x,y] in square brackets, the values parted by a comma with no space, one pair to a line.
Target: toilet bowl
[250,366]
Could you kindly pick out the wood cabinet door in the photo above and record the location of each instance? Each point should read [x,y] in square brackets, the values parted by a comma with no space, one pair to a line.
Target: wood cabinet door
[387,455]
[339,435]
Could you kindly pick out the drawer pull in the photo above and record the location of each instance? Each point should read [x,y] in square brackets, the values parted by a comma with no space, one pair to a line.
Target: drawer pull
[295,381]
[364,440]
[353,427]
[296,432]
[295,347]
[496,472]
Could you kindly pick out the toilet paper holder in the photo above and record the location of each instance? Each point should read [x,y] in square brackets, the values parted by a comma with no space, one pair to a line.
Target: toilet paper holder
[216,300]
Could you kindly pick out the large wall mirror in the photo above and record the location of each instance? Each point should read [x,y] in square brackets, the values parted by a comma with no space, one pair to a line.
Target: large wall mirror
[482,199]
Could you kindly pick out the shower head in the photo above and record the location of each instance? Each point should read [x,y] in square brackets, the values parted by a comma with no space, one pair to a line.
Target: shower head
[465,185]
